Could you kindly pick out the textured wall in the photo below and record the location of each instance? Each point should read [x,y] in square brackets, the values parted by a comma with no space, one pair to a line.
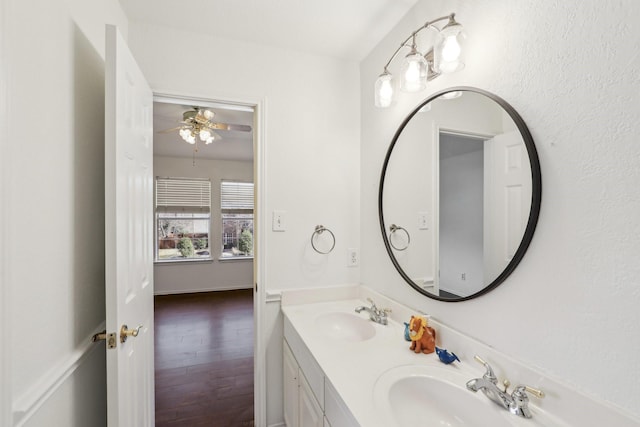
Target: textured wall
[572,70]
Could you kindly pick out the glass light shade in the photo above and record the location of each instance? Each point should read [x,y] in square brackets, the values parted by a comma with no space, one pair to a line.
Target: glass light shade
[205,134]
[448,53]
[210,140]
[384,90]
[187,135]
[184,133]
[413,72]
[208,114]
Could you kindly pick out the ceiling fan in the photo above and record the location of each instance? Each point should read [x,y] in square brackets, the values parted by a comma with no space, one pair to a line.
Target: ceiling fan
[197,124]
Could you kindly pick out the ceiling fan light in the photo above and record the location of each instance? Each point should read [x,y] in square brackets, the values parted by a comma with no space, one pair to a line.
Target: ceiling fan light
[205,134]
[209,140]
[208,114]
[185,133]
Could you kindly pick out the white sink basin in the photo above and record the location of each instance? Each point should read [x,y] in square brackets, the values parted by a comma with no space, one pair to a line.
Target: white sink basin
[427,395]
[345,326]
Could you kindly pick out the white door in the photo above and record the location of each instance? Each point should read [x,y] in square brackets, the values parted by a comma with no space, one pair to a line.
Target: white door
[128,236]
[507,200]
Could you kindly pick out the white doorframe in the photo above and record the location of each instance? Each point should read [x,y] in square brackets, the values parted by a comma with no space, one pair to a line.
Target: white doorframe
[260,222]
[6,410]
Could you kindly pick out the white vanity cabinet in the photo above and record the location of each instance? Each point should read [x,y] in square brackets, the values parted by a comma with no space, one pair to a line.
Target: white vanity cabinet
[301,408]
[290,374]
[310,400]
[309,411]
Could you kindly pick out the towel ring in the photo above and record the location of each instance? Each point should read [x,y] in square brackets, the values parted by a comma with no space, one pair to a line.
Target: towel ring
[392,229]
[319,230]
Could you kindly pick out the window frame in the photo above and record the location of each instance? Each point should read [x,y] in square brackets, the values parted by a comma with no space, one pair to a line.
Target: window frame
[178,203]
[237,204]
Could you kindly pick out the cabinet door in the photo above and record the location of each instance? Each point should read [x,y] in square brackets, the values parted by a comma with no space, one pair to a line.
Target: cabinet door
[309,409]
[290,368]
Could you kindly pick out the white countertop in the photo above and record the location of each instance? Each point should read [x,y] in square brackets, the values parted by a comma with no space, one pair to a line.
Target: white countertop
[353,367]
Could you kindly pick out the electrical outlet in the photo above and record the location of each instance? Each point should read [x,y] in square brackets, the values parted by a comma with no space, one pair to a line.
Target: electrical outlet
[463,276]
[278,222]
[352,257]
[423,221]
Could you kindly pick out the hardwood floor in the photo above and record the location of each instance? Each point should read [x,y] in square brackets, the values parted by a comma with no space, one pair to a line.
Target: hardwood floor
[204,359]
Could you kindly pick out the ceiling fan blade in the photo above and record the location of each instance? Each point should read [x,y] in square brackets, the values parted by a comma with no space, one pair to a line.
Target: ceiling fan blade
[169,130]
[228,126]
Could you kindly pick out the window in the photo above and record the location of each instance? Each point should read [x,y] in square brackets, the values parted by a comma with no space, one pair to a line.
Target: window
[183,219]
[236,207]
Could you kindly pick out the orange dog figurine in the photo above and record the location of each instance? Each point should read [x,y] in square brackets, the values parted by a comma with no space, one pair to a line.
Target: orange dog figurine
[423,337]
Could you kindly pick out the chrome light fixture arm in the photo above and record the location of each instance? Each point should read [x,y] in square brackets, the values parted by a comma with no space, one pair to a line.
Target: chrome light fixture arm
[417,68]
[413,36]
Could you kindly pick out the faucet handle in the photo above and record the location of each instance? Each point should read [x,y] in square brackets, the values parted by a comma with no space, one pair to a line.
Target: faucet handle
[520,400]
[519,391]
[489,371]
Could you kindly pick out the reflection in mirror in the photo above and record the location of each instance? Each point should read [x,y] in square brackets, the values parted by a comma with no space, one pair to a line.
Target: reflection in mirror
[459,194]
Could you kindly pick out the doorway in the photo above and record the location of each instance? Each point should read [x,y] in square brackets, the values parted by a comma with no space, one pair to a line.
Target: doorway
[204,269]
[461,213]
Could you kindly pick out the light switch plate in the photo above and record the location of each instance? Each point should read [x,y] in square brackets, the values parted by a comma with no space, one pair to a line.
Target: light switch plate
[352,257]
[278,223]
[423,220]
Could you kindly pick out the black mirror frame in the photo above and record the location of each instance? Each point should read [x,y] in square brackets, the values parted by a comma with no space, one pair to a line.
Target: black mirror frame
[536,194]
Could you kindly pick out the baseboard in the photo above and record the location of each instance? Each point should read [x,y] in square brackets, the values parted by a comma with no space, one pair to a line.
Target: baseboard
[193,291]
[278,425]
[37,395]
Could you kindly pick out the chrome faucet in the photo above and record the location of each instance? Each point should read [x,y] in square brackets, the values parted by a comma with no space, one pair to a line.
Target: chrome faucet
[517,402]
[375,314]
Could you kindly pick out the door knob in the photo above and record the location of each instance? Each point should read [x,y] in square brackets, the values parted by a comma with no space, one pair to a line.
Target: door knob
[125,332]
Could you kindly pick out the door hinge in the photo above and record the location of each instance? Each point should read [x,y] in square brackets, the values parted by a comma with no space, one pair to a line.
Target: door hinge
[111,339]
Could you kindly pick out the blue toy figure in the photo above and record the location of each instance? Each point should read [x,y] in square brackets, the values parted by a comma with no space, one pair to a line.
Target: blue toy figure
[407,337]
[446,356]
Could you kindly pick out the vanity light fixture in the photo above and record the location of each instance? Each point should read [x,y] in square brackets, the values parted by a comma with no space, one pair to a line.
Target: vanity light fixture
[445,56]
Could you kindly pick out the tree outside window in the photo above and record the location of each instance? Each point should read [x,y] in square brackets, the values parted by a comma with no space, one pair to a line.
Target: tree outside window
[183,219]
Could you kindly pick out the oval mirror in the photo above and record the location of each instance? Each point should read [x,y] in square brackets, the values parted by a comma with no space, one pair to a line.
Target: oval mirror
[459,194]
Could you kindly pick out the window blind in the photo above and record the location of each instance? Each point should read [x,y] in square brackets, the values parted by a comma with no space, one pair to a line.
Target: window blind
[190,195]
[236,196]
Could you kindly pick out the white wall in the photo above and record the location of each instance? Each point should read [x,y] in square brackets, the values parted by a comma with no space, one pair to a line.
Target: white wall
[311,146]
[311,141]
[181,277]
[53,203]
[572,71]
